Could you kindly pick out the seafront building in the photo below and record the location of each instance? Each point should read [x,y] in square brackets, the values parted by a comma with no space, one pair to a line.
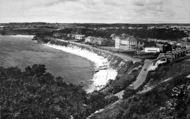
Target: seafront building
[151,50]
[97,41]
[78,36]
[127,43]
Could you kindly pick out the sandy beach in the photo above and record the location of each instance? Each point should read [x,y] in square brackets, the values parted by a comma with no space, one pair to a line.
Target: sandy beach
[103,73]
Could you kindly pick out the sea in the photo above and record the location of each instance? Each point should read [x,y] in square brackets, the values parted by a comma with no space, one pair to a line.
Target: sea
[21,51]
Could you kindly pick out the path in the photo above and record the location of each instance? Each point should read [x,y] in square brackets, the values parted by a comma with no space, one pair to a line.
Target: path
[141,78]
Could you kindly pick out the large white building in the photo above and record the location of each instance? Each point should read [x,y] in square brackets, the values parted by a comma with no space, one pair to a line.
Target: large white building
[78,36]
[151,50]
[127,43]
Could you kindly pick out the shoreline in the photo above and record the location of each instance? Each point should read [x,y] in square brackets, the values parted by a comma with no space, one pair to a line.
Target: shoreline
[102,70]
[21,36]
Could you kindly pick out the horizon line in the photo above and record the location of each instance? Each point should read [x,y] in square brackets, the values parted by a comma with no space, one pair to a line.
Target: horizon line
[86,23]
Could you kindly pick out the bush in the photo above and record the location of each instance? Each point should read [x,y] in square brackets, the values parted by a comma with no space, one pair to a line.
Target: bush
[35,93]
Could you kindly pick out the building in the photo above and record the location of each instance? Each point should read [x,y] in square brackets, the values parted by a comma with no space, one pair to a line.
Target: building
[185,45]
[78,36]
[97,41]
[89,39]
[126,43]
[59,35]
[151,50]
[161,46]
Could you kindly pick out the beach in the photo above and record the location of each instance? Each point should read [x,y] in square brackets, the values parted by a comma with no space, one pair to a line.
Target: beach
[102,71]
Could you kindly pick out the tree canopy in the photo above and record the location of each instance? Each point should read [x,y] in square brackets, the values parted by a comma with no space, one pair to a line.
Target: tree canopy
[35,93]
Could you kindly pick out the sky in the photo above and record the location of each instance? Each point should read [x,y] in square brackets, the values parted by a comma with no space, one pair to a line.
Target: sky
[95,11]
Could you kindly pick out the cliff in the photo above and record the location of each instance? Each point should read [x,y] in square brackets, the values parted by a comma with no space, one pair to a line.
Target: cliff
[164,96]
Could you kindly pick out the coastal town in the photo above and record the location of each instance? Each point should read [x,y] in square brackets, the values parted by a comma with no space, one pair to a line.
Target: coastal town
[130,60]
[121,43]
[94,59]
[152,51]
[127,44]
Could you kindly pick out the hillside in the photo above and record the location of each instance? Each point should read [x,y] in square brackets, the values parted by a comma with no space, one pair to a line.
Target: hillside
[165,96]
[34,93]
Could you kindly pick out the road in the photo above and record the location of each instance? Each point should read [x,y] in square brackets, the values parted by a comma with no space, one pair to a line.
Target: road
[120,94]
[141,78]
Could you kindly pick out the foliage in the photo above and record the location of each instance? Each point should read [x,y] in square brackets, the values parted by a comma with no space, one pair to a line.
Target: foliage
[128,92]
[97,30]
[158,33]
[34,93]
[167,101]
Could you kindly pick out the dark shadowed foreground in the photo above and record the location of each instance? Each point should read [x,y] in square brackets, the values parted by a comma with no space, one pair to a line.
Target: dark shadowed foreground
[36,94]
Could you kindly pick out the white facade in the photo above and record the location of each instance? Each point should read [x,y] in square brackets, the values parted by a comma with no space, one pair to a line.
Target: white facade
[127,44]
[79,36]
[88,39]
[151,50]
[117,42]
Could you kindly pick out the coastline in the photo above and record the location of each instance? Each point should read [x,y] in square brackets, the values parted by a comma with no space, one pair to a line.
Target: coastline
[103,72]
[22,36]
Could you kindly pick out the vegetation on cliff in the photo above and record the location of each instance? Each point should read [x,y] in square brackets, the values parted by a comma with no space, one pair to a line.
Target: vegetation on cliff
[126,75]
[34,93]
[169,100]
[165,95]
